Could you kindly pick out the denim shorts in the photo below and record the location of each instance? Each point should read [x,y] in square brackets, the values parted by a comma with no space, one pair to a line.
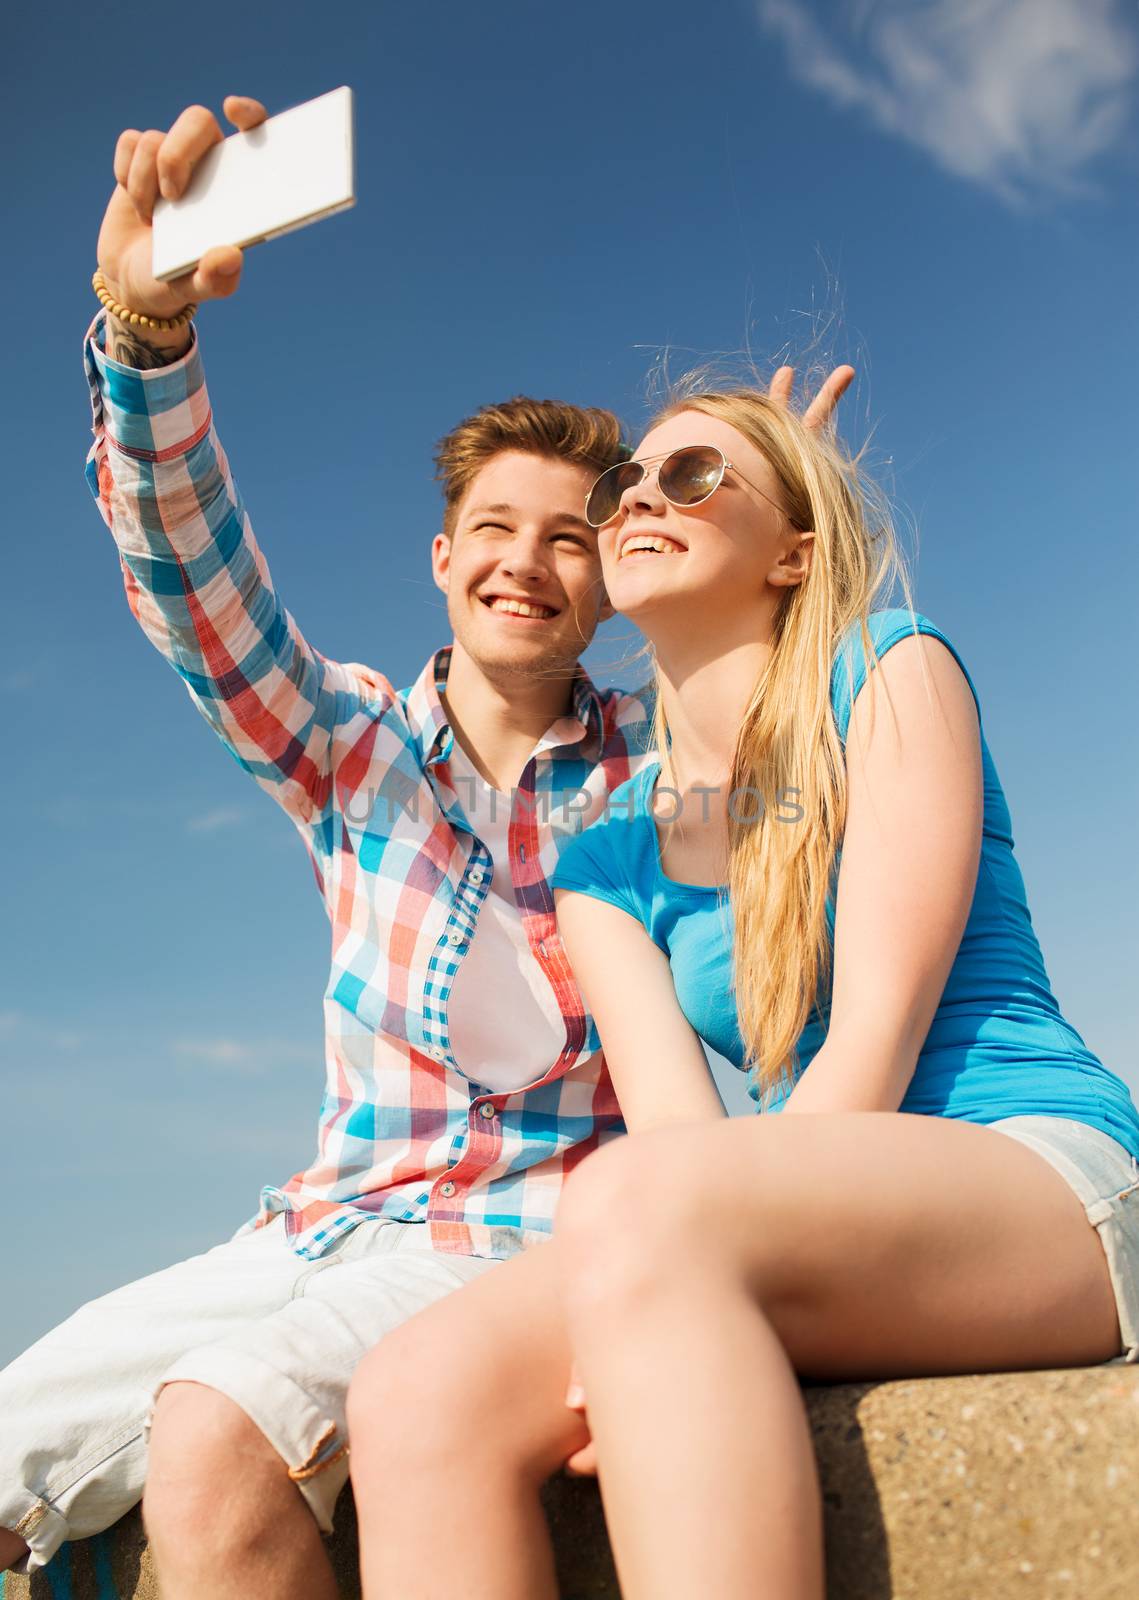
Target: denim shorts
[1106,1179]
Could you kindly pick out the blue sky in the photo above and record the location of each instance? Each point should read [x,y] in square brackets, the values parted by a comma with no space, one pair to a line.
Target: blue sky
[549,197]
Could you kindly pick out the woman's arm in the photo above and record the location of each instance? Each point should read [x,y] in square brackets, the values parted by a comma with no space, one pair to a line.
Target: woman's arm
[907,876]
[656,1060]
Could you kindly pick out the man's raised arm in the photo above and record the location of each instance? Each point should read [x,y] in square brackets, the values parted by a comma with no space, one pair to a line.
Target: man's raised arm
[195,577]
[146,165]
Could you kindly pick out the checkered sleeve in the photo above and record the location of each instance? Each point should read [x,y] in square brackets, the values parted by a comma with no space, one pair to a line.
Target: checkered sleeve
[198,584]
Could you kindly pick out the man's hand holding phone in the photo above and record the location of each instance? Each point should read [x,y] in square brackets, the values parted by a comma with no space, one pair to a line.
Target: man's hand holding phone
[147,165]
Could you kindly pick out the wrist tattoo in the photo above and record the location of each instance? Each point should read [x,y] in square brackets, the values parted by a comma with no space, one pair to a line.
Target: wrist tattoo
[128,346]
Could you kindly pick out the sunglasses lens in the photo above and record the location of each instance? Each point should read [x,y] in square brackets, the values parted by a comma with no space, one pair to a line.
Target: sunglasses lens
[689,476]
[605,496]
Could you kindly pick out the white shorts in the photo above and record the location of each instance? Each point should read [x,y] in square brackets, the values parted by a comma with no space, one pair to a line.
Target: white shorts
[280,1336]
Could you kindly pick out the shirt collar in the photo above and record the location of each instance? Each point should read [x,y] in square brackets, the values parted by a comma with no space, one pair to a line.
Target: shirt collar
[433,736]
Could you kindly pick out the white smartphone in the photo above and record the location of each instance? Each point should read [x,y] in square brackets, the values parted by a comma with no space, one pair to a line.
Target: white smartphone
[293,169]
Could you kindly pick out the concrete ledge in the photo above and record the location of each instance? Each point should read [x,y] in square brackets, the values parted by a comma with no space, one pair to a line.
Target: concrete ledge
[969,1488]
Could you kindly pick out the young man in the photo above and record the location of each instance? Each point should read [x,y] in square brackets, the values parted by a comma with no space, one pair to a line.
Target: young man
[463,1075]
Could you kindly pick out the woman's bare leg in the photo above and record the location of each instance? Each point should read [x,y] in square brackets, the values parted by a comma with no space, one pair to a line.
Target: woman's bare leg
[708,1265]
[455,1421]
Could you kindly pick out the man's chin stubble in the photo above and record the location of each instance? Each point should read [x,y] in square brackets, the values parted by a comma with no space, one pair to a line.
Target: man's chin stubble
[553,664]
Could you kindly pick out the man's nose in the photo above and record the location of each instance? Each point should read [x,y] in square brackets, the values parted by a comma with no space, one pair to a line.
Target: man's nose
[526,557]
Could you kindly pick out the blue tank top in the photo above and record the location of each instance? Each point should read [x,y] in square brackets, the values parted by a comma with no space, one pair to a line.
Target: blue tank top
[998,1045]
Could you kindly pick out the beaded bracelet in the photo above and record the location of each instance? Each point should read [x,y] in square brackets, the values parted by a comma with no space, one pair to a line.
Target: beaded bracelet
[139,319]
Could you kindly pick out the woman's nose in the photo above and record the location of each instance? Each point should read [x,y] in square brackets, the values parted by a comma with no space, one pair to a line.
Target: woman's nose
[643,496]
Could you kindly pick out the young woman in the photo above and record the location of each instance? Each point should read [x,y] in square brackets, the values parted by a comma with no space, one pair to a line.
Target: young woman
[818,881]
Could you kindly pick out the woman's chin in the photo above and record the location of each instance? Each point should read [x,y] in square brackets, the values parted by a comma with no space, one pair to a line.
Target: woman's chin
[638,596]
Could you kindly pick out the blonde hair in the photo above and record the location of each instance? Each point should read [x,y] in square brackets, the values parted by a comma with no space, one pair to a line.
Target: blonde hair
[780,872]
[587,435]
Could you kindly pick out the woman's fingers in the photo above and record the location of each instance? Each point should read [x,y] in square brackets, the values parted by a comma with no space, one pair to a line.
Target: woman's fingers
[781,386]
[583,1462]
[575,1390]
[822,408]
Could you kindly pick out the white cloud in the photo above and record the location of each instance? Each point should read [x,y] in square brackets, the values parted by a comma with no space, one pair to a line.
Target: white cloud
[248,1057]
[225,1052]
[219,817]
[1020,96]
[19,1022]
[220,1053]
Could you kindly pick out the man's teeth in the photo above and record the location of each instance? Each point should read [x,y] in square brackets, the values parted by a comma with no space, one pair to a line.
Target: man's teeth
[643,542]
[519,608]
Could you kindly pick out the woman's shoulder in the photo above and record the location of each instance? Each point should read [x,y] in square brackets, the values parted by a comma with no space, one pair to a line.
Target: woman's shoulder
[609,858]
[887,628]
[631,797]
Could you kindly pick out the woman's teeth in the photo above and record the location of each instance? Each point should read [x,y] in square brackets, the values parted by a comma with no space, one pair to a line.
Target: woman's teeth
[644,542]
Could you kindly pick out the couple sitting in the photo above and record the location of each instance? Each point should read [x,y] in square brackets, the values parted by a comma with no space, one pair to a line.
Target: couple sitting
[815,877]
[799,854]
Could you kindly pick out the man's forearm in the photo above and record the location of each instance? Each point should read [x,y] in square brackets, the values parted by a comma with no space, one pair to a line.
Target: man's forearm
[145,347]
[195,577]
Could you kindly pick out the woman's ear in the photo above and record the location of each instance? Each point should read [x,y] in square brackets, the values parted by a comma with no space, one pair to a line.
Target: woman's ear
[793,563]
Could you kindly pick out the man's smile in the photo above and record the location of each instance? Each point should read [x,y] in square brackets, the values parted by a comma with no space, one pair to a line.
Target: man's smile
[517,609]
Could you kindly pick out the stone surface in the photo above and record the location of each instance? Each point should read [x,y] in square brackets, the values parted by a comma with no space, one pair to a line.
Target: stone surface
[970,1488]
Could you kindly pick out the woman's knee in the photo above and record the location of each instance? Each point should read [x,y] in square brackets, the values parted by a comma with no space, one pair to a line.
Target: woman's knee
[378,1401]
[624,1231]
[412,1397]
[442,1396]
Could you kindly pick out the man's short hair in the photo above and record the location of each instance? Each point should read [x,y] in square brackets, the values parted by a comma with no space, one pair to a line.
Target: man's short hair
[587,435]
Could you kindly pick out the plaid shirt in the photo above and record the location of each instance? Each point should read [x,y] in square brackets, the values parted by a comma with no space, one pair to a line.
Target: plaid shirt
[362,769]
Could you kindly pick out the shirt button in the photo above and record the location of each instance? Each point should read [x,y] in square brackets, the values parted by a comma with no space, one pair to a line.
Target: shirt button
[447,1188]
[477,875]
[486,1110]
[438,1052]
[454,937]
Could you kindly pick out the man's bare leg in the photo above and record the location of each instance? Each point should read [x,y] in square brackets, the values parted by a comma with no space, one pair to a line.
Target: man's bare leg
[221,1512]
[12,1549]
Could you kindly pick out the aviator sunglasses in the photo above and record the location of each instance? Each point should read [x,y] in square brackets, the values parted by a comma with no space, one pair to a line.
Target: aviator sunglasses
[685,477]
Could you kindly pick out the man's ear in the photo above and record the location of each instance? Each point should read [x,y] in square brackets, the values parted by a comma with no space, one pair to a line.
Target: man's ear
[608,609]
[441,561]
[794,564]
